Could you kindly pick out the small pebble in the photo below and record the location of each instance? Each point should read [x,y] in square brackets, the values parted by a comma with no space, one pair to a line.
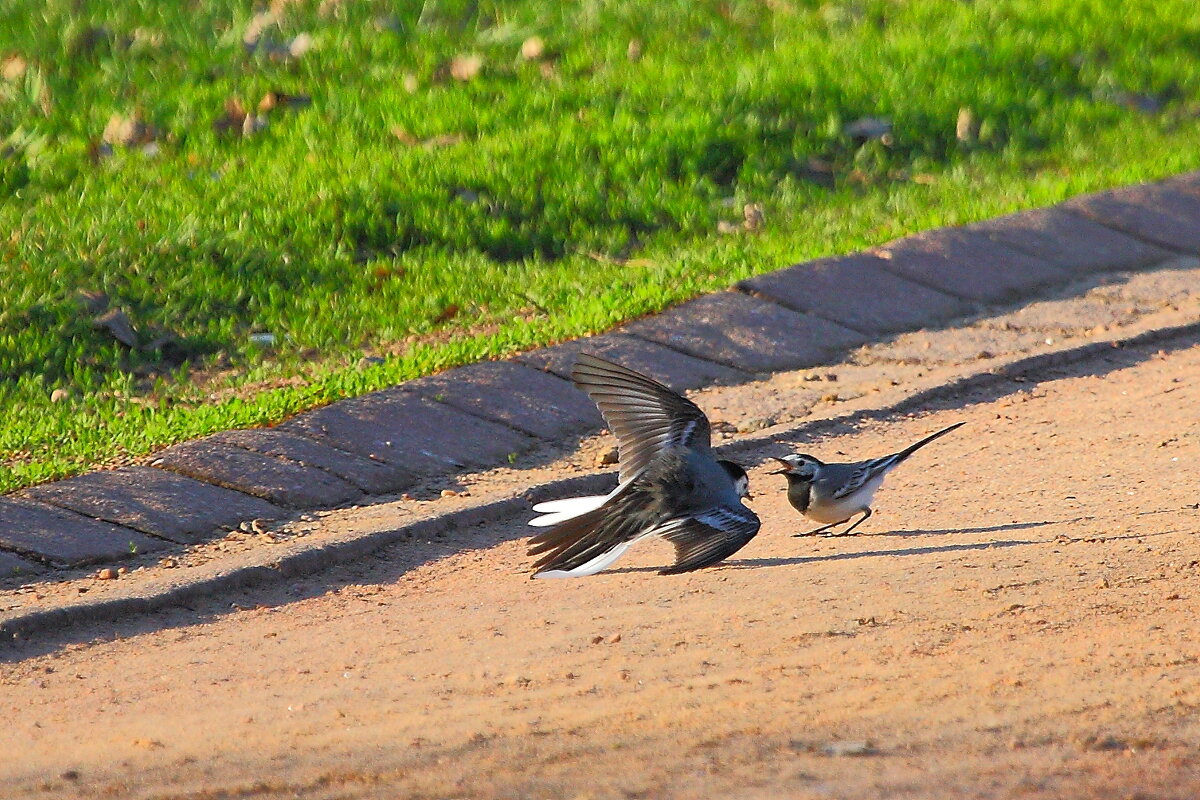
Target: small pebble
[607,456]
[755,424]
[856,748]
[107,574]
[449,493]
[58,395]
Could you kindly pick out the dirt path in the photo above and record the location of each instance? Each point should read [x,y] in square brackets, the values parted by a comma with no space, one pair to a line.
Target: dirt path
[1020,623]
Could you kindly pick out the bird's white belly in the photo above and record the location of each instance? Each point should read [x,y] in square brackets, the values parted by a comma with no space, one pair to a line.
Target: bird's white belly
[830,511]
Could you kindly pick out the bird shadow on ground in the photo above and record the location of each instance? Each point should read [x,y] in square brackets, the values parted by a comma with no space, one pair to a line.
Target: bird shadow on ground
[1011,526]
[756,563]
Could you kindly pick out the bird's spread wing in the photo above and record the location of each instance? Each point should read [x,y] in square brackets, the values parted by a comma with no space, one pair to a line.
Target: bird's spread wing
[708,537]
[645,416]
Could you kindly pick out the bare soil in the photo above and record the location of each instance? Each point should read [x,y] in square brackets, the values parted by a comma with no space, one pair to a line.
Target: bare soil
[1017,620]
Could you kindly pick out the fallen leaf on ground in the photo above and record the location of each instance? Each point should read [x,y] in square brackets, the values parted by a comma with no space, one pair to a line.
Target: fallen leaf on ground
[255,28]
[448,313]
[300,45]
[965,127]
[465,68]
[238,121]
[129,131]
[12,68]
[532,48]
[441,140]
[752,216]
[277,99]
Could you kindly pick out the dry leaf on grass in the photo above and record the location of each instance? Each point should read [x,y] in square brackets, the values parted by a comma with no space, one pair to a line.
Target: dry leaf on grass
[752,216]
[238,121]
[532,48]
[441,140]
[256,27]
[965,127]
[300,45]
[466,67]
[12,68]
[129,131]
[446,314]
[277,99]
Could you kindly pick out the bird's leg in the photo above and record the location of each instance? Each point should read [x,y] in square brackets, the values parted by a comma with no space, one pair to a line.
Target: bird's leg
[861,520]
[821,529]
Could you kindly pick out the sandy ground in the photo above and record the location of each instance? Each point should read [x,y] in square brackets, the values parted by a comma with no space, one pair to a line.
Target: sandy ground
[1017,621]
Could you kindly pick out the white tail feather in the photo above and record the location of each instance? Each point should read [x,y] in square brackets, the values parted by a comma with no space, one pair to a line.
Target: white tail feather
[555,506]
[598,563]
[556,511]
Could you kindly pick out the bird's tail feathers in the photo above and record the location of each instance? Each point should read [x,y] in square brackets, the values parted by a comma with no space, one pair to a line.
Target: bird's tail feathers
[556,511]
[908,451]
[585,536]
[564,543]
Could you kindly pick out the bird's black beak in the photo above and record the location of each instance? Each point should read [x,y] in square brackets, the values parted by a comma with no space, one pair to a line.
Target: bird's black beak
[786,467]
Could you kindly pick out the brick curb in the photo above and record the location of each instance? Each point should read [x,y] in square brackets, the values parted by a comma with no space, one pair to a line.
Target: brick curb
[482,415]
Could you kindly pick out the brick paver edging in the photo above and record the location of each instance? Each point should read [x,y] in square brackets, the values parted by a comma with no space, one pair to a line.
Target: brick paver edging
[479,416]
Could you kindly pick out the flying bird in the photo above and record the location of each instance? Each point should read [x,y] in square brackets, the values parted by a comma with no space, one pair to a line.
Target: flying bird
[833,493]
[670,484]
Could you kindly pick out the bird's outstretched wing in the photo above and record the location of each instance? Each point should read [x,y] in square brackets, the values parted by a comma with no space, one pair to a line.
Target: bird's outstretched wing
[708,537]
[645,416]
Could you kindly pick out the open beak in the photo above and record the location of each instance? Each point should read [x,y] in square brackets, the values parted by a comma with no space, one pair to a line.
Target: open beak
[786,467]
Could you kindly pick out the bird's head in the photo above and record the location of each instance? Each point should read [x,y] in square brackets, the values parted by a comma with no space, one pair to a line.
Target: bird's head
[799,467]
[741,481]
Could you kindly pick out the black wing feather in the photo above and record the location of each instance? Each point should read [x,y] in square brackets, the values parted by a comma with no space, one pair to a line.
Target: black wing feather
[645,416]
[709,537]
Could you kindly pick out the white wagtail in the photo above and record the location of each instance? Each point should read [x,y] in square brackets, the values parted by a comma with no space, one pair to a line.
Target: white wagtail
[833,493]
[670,485]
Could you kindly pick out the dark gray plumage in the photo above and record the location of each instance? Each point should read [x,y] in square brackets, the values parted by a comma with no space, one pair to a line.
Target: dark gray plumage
[670,484]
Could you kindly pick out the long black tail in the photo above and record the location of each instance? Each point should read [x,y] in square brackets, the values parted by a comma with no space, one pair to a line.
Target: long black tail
[908,451]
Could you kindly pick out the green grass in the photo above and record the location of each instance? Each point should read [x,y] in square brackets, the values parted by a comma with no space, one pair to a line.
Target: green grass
[342,238]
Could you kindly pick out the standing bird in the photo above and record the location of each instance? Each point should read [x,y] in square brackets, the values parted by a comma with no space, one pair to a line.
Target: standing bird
[833,493]
[670,484]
